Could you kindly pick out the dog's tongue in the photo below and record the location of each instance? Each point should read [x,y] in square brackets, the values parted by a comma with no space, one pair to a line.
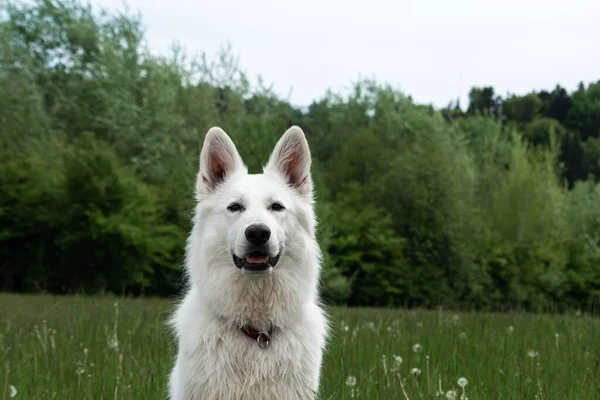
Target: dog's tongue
[257,259]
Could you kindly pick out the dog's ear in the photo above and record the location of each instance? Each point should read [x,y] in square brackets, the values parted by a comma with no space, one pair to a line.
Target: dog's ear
[291,158]
[219,158]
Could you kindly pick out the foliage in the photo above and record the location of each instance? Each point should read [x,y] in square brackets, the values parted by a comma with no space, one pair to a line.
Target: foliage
[490,208]
[82,224]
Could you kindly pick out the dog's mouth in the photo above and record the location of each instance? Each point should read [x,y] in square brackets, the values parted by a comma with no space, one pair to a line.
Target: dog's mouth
[256,261]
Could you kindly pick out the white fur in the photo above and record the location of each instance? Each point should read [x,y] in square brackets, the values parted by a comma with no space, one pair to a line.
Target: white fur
[215,359]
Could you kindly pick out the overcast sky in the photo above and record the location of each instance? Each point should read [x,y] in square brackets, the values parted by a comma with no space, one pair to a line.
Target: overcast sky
[433,50]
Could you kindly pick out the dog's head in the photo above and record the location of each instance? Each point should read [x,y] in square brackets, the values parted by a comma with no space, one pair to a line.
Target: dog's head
[252,253]
[253,225]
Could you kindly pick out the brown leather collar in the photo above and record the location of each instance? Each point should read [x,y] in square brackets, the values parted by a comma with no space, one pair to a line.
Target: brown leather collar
[261,337]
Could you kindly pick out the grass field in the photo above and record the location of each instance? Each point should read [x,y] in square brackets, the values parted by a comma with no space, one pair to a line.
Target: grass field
[115,348]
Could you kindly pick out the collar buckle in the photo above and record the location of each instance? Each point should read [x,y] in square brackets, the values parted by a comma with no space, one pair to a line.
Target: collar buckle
[263,339]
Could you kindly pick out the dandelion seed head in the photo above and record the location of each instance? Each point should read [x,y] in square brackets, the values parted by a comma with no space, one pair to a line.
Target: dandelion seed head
[417,348]
[462,382]
[451,394]
[398,360]
[351,381]
[12,391]
[510,329]
[415,372]
[533,353]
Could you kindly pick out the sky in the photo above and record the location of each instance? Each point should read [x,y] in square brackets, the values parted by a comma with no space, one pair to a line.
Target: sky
[432,50]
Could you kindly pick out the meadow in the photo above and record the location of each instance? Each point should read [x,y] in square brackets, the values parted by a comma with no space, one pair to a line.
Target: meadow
[119,348]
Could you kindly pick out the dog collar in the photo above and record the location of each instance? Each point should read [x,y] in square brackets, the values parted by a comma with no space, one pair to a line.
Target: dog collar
[261,337]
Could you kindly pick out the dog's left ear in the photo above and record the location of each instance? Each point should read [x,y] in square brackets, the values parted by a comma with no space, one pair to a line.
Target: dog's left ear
[291,158]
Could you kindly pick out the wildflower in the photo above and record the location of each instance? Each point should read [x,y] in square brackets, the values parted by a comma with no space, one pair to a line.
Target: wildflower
[533,353]
[451,394]
[12,391]
[80,370]
[415,372]
[345,328]
[351,381]
[398,360]
[462,382]
[510,329]
[416,348]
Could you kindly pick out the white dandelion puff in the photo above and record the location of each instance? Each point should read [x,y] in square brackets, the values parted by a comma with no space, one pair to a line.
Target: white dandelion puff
[462,382]
[533,353]
[510,329]
[451,394]
[12,391]
[415,372]
[398,360]
[417,348]
[351,381]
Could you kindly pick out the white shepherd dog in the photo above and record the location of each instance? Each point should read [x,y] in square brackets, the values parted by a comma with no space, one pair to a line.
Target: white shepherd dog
[250,325]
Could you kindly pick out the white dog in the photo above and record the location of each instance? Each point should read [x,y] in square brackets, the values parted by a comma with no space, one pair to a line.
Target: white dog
[250,325]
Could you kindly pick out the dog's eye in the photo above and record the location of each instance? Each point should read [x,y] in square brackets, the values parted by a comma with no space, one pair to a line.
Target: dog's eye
[277,207]
[234,207]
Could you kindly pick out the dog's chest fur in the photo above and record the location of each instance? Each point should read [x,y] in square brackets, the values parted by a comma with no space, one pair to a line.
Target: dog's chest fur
[219,362]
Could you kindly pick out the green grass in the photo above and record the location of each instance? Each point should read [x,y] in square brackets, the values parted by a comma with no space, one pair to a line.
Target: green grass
[65,348]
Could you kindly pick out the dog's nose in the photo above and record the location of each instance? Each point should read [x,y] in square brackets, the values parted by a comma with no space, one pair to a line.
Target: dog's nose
[258,234]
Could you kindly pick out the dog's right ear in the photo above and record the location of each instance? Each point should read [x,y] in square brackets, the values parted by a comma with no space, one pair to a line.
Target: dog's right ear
[219,159]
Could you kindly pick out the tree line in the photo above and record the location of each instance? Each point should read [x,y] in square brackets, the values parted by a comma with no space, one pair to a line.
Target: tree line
[493,207]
